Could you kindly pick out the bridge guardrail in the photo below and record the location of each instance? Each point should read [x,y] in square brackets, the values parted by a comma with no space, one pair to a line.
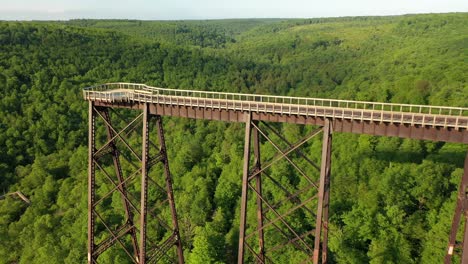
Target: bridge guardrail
[139,92]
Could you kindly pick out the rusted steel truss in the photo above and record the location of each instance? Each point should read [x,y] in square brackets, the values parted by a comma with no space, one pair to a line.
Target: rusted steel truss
[461,210]
[145,226]
[138,227]
[278,205]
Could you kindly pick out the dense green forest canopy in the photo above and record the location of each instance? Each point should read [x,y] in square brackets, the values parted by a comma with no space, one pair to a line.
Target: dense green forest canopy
[392,199]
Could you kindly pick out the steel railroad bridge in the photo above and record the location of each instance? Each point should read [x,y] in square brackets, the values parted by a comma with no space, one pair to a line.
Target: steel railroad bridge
[148,206]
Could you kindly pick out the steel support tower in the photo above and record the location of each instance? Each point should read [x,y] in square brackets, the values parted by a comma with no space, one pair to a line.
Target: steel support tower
[127,227]
[271,217]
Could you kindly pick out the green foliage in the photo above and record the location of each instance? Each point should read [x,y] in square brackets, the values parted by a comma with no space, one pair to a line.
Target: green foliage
[392,199]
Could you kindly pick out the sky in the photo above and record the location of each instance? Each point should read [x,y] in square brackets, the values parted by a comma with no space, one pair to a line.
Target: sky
[218,9]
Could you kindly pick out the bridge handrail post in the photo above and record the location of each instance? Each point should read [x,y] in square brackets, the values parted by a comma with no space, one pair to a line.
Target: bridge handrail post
[241,103]
[298,106]
[381,114]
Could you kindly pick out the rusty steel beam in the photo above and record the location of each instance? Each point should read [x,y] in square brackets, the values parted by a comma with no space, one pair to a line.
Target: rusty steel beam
[117,134]
[461,209]
[245,180]
[298,151]
[285,152]
[258,186]
[115,236]
[109,148]
[144,186]
[91,180]
[280,246]
[283,215]
[115,188]
[293,197]
[108,242]
[326,198]
[122,187]
[144,250]
[281,218]
[355,126]
[292,241]
[323,195]
[255,172]
[170,193]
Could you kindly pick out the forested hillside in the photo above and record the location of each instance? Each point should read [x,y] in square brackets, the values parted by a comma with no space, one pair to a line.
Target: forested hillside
[392,200]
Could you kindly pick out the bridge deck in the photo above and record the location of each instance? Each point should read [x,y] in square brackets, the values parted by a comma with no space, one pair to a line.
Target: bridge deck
[437,123]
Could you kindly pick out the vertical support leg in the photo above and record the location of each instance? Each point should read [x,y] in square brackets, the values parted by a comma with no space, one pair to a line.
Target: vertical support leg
[323,195]
[122,187]
[245,176]
[258,187]
[144,186]
[326,198]
[91,180]
[461,208]
[170,194]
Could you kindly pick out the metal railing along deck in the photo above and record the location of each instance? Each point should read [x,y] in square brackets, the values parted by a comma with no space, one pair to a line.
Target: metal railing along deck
[425,115]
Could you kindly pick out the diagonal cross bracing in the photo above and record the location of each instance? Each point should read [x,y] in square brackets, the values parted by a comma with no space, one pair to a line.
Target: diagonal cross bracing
[135,210]
[255,171]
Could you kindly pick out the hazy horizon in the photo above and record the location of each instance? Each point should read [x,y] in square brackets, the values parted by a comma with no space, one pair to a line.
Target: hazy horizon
[214,10]
[229,18]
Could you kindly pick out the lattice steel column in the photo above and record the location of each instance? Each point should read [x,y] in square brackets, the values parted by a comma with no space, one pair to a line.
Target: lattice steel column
[144,185]
[174,239]
[121,182]
[104,161]
[245,175]
[91,181]
[461,209]
[323,196]
[274,215]
[170,193]
[258,187]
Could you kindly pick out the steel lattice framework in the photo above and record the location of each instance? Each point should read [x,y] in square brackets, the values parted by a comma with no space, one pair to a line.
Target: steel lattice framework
[270,215]
[130,230]
[145,228]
